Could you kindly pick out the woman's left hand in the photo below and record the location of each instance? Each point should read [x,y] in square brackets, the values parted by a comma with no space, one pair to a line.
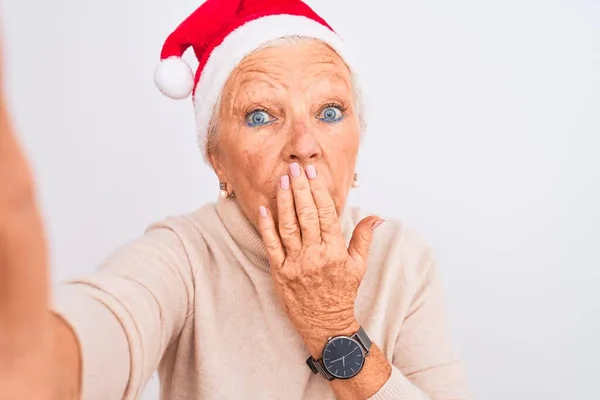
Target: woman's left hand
[315,275]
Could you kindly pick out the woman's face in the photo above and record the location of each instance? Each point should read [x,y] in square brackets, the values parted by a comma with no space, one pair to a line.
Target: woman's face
[283,105]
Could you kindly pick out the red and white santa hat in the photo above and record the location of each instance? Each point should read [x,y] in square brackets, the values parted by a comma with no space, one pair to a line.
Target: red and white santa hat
[222,33]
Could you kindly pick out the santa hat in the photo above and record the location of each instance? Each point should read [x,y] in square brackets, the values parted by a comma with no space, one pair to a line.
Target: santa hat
[222,33]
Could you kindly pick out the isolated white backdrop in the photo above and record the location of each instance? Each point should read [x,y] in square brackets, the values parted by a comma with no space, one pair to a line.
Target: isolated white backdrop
[484,126]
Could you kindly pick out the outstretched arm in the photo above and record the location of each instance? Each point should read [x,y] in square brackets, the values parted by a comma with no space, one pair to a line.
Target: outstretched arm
[38,353]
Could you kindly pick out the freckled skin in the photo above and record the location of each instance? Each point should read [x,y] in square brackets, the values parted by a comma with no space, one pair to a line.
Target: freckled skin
[316,277]
[292,83]
[292,87]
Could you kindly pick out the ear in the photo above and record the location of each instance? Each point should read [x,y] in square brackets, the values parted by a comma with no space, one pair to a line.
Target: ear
[217,165]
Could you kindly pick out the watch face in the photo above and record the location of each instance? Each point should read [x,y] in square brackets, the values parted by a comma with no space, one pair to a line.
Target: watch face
[343,357]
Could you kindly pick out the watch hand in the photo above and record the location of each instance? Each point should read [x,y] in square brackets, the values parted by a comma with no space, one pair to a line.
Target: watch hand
[351,352]
[344,361]
[338,359]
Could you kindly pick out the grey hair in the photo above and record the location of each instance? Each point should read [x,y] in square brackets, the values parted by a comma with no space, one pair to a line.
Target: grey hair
[213,128]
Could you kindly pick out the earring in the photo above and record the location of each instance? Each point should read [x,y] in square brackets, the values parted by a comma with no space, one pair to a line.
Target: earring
[224,193]
[355,183]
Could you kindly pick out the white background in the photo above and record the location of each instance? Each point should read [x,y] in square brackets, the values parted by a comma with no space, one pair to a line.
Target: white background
[484,126]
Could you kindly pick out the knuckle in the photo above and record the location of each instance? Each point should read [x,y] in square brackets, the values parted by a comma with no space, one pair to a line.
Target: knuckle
[291,272]
[285,276]
[328,212]
[272,244]
[365,237]
[301,184]
[316,260]
[288,228]
[308,213]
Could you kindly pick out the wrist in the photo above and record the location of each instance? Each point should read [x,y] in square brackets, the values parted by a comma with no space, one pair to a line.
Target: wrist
[368,382]
[316,339]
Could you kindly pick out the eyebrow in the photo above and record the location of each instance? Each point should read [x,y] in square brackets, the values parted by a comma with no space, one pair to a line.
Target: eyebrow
[240,105]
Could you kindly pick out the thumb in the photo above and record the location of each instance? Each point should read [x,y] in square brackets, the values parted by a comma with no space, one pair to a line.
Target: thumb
[362,238]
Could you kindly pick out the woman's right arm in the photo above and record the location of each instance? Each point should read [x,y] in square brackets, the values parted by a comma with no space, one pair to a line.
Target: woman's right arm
[25,323]
[102,336]
[65,356]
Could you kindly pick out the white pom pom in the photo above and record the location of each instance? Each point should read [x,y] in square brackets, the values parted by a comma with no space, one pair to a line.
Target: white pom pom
[174,78]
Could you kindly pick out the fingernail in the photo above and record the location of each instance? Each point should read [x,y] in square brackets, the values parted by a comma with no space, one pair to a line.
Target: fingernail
[262,211]
[377,223]
[295,170]
[284,182]
[311,172]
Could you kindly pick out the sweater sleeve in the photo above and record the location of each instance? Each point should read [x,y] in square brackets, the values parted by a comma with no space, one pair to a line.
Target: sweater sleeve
[424,365]
[127,313]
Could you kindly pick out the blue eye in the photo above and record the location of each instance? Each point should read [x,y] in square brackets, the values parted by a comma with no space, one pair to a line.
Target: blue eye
[332,113]
[257,118]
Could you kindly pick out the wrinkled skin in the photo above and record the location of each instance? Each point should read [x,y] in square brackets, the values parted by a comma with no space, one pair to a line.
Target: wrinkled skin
[315,276]
[291,109]
[293,84]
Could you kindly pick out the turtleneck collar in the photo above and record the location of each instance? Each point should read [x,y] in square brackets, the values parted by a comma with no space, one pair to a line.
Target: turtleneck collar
[247,237]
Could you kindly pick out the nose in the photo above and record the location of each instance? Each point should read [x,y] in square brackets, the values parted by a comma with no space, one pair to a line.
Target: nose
[303,146]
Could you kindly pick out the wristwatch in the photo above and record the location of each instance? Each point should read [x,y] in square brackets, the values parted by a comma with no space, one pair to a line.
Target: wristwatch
[343,356]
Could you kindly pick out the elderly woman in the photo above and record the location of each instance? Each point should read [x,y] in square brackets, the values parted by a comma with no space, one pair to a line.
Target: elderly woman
[278,290]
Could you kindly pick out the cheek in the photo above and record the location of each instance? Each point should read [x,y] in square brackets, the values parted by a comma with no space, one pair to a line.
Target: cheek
[252,164]
[351,139]
[256,172]
[342,147]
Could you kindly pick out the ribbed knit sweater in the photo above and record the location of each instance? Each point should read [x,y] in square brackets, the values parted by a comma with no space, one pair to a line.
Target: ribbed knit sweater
[193,298]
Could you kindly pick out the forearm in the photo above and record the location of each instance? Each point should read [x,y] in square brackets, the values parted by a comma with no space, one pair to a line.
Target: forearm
[39,356]
[47,367]
[65,355]
[23,256]
[24,321]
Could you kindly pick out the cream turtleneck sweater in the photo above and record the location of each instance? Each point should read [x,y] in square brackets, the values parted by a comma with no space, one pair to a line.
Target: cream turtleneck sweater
[193,298]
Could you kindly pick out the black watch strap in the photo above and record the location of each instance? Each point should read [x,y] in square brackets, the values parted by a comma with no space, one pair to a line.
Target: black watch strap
[317,366]
[364,340]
